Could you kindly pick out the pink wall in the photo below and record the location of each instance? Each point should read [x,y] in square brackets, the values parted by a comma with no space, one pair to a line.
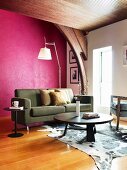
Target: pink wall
[21,38]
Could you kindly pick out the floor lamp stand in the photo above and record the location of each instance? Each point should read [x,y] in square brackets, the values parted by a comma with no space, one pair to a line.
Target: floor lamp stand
[58,62]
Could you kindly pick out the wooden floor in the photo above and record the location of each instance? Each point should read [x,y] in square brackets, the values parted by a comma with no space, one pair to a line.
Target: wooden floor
[36,151]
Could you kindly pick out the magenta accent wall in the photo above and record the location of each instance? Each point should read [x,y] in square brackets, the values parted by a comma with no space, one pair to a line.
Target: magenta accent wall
[21,38]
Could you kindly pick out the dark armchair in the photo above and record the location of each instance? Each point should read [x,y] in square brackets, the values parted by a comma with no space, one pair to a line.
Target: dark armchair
[118,107]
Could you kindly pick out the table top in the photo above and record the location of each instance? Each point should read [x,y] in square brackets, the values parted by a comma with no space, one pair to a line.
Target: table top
[14,109]
[71,117]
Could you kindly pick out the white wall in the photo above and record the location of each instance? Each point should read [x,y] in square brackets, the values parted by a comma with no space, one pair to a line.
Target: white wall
[114,35]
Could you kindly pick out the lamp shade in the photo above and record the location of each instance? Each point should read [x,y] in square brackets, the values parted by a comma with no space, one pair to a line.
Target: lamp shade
[45,54]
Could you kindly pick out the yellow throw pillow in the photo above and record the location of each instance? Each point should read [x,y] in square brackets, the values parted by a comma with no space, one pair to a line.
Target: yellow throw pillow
[64,94]
[45,97]
[57,98]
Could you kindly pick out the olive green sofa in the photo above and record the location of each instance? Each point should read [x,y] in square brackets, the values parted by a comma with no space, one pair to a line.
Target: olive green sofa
[36,112]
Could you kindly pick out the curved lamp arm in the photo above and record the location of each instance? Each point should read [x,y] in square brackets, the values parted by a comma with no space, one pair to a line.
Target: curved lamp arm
[47,51]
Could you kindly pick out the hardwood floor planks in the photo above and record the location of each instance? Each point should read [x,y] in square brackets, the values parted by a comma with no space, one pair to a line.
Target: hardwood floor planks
[36,151]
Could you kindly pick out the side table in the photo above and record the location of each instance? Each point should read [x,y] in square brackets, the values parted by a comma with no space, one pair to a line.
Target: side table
[15,134]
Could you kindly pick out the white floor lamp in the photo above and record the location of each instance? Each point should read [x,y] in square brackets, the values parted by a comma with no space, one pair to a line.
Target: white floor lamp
[45,54]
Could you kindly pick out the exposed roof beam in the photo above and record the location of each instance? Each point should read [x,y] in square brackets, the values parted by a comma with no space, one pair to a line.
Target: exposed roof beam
[78,14]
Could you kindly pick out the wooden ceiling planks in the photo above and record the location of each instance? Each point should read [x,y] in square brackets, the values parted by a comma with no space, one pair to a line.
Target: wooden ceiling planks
[85,15]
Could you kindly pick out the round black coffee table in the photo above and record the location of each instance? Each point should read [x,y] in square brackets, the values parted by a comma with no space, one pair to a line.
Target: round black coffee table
[70,118]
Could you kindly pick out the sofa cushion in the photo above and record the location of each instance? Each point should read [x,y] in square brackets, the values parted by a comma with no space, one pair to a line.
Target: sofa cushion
[72,107]
[45,97]
[46,110]
[57,98]
[64,94]
[69,93]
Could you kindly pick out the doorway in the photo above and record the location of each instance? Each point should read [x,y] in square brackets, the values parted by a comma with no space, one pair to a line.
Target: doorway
[102,78]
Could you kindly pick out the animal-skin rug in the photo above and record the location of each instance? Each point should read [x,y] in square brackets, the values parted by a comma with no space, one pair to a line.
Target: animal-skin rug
[107,146]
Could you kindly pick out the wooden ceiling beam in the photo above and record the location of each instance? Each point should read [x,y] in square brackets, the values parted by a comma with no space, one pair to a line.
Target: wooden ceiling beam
[82,15]
[52,11]
[78,44]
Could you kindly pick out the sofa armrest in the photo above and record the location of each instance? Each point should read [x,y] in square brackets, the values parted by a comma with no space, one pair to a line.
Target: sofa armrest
[25,102]
[86,99]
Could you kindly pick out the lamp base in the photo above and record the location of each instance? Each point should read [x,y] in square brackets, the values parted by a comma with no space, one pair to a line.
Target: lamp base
[15,135]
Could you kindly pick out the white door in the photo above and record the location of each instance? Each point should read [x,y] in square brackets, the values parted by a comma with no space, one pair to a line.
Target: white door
[102,78]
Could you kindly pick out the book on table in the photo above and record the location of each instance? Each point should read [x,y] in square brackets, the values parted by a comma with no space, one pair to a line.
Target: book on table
[90,115]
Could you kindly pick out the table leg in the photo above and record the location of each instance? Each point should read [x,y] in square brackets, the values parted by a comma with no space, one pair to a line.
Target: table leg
[65,130]
[91,130]
[15,122]
[15,134]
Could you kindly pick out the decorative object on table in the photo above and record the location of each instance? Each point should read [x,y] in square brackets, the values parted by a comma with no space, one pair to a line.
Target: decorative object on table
[74,75]
[77,99]
[15,104]
[15,110]
[78,107]
[90,115]
[45,54]
[107,146]
[72,58]
[125,55]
